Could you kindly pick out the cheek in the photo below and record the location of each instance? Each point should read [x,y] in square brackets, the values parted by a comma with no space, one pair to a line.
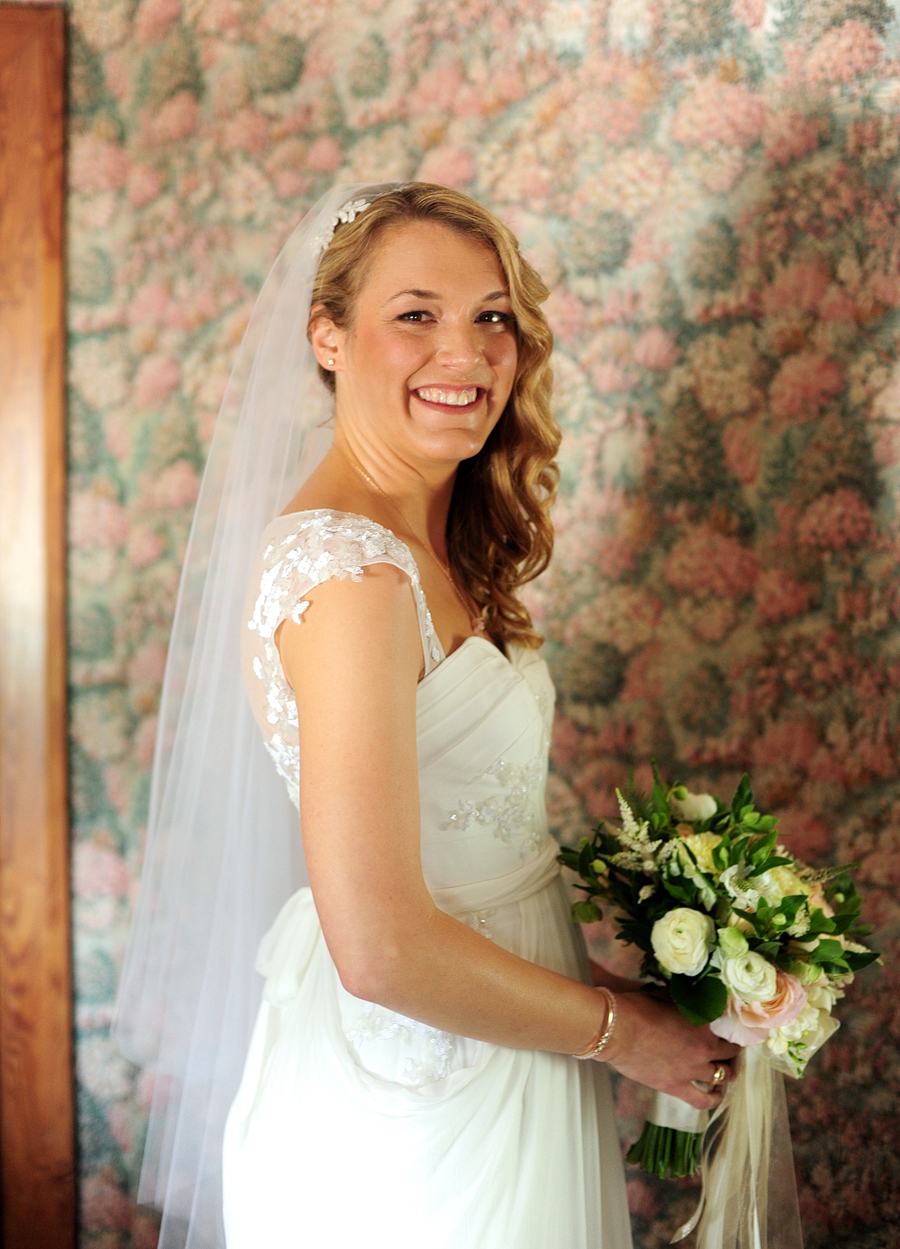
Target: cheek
[504,359]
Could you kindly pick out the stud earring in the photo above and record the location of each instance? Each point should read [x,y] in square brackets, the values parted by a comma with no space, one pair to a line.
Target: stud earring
[331,362]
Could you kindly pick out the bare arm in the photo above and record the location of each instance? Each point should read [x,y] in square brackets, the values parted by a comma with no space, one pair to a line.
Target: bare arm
[356,656]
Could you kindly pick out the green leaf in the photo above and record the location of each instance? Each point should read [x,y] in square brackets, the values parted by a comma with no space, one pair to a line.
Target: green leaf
[856,962]
[743,797]
[586,912]
[700,1001]
[827,951]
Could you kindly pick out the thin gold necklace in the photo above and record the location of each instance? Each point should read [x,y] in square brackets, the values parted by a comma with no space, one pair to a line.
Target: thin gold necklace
[475,621]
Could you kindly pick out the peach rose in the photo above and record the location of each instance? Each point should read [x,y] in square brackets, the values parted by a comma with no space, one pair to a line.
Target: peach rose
[749,1023]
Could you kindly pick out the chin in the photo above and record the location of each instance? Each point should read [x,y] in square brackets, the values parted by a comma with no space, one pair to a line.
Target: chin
[450,446]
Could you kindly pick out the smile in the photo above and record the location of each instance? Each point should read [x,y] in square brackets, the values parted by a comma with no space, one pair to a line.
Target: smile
[453,398]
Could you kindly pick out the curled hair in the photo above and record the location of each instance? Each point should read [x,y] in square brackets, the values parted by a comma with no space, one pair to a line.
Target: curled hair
[499,534]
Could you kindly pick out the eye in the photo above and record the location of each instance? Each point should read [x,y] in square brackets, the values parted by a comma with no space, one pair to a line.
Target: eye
[495,317]
[416,316]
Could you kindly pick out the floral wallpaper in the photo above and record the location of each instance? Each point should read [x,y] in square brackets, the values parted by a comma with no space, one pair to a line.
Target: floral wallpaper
[711,190]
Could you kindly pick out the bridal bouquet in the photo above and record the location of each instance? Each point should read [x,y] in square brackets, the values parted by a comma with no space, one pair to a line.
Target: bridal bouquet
[745,937]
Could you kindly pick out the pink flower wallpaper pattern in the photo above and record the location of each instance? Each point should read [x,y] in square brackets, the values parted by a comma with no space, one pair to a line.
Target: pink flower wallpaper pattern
[711,191]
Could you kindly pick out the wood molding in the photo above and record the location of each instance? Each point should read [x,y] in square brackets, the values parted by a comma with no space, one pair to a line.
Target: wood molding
[37,1141]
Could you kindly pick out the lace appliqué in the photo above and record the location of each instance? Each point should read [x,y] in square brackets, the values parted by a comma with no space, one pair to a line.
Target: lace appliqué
[435,1062]
[322,546]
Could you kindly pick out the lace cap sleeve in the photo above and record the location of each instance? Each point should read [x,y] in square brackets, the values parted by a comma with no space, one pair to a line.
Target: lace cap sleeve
[299,552]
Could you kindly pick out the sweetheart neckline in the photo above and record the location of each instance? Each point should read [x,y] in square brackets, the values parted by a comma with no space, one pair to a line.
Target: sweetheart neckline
[473,637]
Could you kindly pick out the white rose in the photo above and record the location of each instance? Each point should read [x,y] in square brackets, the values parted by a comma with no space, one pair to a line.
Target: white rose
[682,940]
[750,977]
[779,882]
[692,806]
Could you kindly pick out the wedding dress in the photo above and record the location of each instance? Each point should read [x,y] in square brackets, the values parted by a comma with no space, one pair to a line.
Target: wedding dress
[353,1125]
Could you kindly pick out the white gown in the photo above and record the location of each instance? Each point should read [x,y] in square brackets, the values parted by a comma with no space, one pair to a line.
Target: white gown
[355,1126]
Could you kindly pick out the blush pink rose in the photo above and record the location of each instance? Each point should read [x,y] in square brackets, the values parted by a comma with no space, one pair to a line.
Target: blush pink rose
[325,154]
[719,112]
[436,90]
[96,520]
[97,871]
[751,12]
[144,184]
[779,596]
[177,118]
[741,444]
[97,165]
[103,1203]
[797,288]
[749,1023]
[154,17]
[609,377]
[566,315]
[705,563]
[176,486]
[790,135]
[156,378]
[792,742]
[804,385]
[836,521]
[844,53]
[247,131]
[451,165]
[655,349]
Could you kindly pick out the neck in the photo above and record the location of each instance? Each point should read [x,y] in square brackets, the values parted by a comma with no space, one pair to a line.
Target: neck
[420,497]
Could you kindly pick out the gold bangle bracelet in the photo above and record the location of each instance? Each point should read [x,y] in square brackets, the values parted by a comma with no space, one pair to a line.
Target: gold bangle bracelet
[601,1040]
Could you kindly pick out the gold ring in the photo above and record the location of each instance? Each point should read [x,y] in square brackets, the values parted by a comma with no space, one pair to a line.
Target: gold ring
[719,1074]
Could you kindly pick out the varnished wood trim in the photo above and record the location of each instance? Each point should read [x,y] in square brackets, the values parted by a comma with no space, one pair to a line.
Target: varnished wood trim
[36,1100]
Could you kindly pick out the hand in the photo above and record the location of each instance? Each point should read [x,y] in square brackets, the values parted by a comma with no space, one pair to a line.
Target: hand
[655,1045]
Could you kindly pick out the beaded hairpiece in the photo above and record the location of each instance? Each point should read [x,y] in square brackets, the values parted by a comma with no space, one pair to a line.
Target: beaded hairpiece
[350,212]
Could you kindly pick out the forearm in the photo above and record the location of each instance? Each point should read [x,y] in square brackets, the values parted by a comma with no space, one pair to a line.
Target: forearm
[450,977]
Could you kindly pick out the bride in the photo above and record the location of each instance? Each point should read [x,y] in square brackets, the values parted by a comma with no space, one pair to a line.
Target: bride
[411,1077]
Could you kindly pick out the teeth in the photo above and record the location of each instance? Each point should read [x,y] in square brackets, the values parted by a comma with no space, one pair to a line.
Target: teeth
[456,398]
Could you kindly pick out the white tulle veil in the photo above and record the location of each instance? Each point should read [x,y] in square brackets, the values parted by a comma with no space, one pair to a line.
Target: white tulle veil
[223,848]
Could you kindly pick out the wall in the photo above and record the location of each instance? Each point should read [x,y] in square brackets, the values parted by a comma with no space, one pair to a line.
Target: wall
[711,190]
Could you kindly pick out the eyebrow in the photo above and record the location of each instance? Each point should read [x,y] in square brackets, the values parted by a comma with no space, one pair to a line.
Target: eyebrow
[417,294]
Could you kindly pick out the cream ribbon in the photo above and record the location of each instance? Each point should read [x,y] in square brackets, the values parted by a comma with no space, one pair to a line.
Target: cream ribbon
[749,1195]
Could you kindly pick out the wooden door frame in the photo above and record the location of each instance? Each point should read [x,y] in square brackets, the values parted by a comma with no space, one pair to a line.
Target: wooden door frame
[37,1135]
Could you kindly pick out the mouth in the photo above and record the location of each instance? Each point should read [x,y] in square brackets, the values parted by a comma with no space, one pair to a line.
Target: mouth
[450,396]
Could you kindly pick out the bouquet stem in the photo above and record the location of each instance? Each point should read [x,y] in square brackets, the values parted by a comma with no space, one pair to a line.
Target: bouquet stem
[671,1142]
[666,1152]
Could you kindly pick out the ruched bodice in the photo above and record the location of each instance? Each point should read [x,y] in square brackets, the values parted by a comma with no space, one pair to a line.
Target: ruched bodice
[447,1141]
[482,719]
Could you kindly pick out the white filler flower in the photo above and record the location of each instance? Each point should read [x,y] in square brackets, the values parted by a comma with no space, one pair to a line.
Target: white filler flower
[682,940]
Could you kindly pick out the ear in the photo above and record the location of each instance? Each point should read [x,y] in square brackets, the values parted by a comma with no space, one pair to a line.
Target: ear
[327,341]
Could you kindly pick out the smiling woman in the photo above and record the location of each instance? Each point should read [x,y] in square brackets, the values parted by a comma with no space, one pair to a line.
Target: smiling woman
[425,996]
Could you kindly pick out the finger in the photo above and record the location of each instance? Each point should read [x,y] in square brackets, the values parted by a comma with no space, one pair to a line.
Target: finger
[696,1096]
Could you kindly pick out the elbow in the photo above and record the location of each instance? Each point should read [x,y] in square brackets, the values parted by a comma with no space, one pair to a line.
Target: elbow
[376,973]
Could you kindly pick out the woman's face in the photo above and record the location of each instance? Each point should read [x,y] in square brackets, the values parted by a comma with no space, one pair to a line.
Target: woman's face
[426,369]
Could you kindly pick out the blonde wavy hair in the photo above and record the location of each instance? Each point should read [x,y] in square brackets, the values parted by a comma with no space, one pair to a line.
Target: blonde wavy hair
[499,534]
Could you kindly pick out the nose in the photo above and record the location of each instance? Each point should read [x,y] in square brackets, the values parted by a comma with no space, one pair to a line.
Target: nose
[460,347]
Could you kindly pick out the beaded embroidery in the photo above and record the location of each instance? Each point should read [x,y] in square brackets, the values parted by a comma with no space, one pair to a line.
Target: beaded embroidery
[516,815]
[374,1023]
